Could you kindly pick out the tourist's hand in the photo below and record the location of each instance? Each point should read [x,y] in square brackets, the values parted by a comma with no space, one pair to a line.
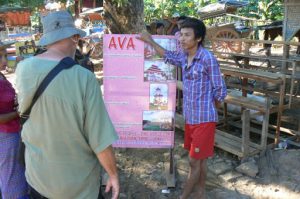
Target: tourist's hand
[113,184]
[145,36]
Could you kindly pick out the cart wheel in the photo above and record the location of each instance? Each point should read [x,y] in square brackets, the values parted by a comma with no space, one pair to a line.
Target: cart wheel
[220,48]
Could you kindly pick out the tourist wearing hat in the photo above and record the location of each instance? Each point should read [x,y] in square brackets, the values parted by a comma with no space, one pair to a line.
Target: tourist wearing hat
[68,134]
[175,21]
[12,181]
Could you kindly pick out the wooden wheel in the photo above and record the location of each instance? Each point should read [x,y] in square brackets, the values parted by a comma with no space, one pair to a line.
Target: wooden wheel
[220,48]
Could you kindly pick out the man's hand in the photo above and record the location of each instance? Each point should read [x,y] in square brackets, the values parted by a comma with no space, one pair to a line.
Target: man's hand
[172,20]
[218,104]
[145,37]
[108,161]
[113,184]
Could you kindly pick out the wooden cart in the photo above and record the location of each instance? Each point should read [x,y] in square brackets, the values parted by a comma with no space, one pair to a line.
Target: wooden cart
[224,29]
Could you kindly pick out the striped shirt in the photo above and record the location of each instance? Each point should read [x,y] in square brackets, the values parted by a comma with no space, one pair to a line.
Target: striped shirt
[203,84]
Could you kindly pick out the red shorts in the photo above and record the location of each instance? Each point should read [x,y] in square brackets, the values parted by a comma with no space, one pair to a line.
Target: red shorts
[199,139]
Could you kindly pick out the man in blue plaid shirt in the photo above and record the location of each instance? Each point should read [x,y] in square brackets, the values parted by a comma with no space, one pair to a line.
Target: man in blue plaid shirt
[203,91]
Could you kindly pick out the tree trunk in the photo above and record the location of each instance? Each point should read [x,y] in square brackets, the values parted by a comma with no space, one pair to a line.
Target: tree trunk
[124,19]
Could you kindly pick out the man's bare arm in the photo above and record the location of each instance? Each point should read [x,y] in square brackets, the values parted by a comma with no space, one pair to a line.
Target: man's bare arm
[6,117]
[108,161]
[146,37]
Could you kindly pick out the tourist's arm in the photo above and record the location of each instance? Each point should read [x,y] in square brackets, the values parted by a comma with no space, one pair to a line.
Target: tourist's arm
[100,132]
[6,117]
[108,161]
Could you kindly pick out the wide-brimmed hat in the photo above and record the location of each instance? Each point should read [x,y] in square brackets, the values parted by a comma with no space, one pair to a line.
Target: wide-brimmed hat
[176,15]
[4,45]
[57,26]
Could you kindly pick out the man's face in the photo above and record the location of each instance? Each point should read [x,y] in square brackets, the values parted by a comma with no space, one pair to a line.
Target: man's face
[187,39]
[160,30]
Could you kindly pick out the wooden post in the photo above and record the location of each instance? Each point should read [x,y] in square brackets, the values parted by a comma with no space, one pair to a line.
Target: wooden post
[245,132]
[170,171]
[284,30]
[265,126]
[246,65]
[292,83]
[225,114]
[77,8]
[280,108]
[286,52]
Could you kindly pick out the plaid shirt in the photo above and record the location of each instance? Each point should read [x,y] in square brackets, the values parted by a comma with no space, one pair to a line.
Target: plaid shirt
[202,85]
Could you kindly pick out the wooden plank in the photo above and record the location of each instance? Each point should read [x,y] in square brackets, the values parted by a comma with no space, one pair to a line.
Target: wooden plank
[259,57]
[280,110]
[265,127]
[257,41]
[220,142]
[252,130]
[245,132]
[231,146]
[292,84]
[253,74]
[245,102]
[249,88]
[225,115]
[170,177]
[237,139]
[285,130]
[258,132]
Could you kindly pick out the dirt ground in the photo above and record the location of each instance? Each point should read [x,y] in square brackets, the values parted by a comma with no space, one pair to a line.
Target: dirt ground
[142,174]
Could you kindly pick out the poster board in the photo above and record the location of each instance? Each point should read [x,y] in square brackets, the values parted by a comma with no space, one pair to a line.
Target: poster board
[139,91]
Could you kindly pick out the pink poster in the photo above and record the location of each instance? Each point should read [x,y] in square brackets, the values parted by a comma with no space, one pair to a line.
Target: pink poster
[139,91]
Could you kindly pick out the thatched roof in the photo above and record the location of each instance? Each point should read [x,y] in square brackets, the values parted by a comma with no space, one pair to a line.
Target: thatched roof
[220,8]
[4,9]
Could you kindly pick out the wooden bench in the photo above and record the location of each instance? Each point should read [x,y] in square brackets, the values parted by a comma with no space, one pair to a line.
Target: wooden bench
[243,147]
[292,75]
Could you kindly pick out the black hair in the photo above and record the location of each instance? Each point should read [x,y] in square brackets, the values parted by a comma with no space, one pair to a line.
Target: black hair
[39,50]
[158,25]
[148,28]
[182,18]
[198,27]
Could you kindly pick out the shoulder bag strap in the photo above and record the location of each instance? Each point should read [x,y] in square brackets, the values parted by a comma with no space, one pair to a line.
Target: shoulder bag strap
[65,63]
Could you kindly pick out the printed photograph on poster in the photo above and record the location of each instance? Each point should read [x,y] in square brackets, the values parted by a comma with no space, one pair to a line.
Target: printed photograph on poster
[158,121]
[158,97]
[158,70]
[150,53]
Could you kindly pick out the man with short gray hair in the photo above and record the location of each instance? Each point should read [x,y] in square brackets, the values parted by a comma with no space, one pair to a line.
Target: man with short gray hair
[69,131]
